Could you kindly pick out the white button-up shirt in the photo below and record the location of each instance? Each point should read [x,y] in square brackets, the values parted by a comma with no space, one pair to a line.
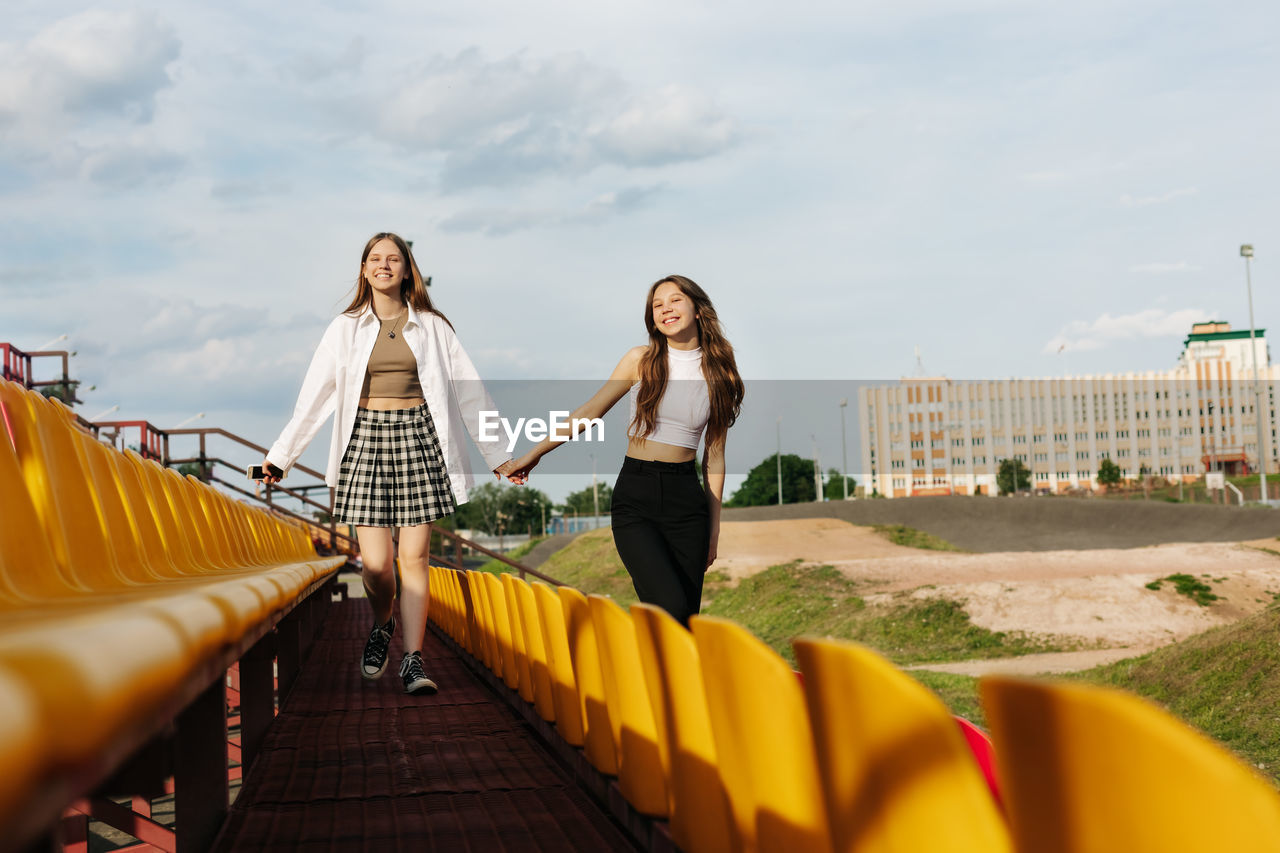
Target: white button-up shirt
[452,388]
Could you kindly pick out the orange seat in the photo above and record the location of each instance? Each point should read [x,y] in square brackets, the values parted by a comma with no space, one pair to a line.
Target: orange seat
[598,745]
[502,632]
[640,771]
[897,774]
[524,683]
[555,642]
[535,648]
[763,741]
[1090,768]
[700,819]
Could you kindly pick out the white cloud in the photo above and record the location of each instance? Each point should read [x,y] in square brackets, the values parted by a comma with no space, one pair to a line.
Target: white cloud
[123,167]
[496,222]
[511,120]
[1164,268]
[1106,330]
[93,63]
[671,125]
[1127,200]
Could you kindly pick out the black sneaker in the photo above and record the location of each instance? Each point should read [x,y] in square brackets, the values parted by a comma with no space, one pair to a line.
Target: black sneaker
[415,680]
[374,662]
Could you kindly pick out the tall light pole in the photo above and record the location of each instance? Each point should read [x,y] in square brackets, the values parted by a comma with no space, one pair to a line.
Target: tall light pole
[817,470]
[1246,252]
[779,458]
[844,448]
[595,494]
[50,343]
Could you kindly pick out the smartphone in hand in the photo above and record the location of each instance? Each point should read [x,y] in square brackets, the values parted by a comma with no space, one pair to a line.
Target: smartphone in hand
[256,472]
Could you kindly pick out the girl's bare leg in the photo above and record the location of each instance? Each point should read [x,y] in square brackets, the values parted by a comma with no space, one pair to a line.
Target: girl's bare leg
[415,590]
[379,577]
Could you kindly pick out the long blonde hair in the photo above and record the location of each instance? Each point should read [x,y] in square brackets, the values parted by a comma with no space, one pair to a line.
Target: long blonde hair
[724,383]
[413,288]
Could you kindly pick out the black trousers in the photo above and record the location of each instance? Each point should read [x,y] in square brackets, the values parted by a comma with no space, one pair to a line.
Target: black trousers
[662,530]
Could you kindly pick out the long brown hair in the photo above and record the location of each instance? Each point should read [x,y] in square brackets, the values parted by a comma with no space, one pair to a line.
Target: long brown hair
[724,383]
[413,288]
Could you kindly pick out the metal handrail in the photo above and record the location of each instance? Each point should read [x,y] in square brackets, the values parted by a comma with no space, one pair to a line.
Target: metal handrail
[154,443]
[15,365]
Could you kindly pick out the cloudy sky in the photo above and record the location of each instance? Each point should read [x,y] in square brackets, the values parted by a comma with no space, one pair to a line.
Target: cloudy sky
[1016,189]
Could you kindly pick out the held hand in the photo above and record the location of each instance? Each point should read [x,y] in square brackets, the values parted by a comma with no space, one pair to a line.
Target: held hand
[520,468]
[504,470]
[267,476]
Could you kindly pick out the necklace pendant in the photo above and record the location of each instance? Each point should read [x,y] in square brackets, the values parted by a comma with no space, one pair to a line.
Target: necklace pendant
[391,334]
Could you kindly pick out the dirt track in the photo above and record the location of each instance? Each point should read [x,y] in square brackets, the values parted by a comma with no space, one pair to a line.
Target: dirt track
[989,525]
[1075,569]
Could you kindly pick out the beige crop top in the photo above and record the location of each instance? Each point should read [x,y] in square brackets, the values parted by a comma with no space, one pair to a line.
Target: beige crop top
[392,370]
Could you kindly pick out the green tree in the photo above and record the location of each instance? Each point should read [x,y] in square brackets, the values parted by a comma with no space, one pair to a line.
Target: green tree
[62,391]
[195,469]
[514,509]
[761,486]
[583,503]
[1012,475]
[833,488]
[1108,472]
[527,509]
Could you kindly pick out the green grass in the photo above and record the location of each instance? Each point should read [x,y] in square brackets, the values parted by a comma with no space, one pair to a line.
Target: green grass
[786,601]
[591,564]
[958,692]
[900,534]
[497,567]
[1193,588]
[1225,682]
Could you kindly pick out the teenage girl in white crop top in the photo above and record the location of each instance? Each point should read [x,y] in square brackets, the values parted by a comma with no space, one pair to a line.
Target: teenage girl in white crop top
[683,383]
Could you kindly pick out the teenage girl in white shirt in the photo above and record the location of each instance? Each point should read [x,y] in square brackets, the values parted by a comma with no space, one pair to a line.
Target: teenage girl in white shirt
[404,393]
[665,526]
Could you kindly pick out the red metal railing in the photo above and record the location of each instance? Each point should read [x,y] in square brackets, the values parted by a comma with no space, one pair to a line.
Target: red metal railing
[16,367]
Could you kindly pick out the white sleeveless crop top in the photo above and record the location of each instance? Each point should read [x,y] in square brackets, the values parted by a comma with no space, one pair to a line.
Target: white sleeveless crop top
[685,406]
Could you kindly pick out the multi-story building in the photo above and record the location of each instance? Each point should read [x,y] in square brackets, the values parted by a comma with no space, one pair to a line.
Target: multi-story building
[933,435]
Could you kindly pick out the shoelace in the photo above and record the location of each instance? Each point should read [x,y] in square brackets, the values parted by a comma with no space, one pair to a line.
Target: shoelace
[411,667]
[379,642]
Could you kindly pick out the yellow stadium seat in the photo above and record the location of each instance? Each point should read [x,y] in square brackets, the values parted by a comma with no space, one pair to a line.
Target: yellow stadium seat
[555,642]
[1086,768]
[897,774]
[525,681]
[98,676]
[584,651]
[480,597]
[543,699]
[763,741]
[640,772]
[699,808]
[502,631]
[24,742]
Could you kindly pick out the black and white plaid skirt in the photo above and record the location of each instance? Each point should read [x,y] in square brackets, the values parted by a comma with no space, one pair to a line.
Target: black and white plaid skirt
[393,473]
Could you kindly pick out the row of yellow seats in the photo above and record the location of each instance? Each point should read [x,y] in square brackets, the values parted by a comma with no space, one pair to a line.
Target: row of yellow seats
[710,730]
[713,731]
[119,581]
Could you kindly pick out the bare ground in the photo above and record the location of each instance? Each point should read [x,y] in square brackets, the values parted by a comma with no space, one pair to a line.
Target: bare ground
[988,525]
[1095,598]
